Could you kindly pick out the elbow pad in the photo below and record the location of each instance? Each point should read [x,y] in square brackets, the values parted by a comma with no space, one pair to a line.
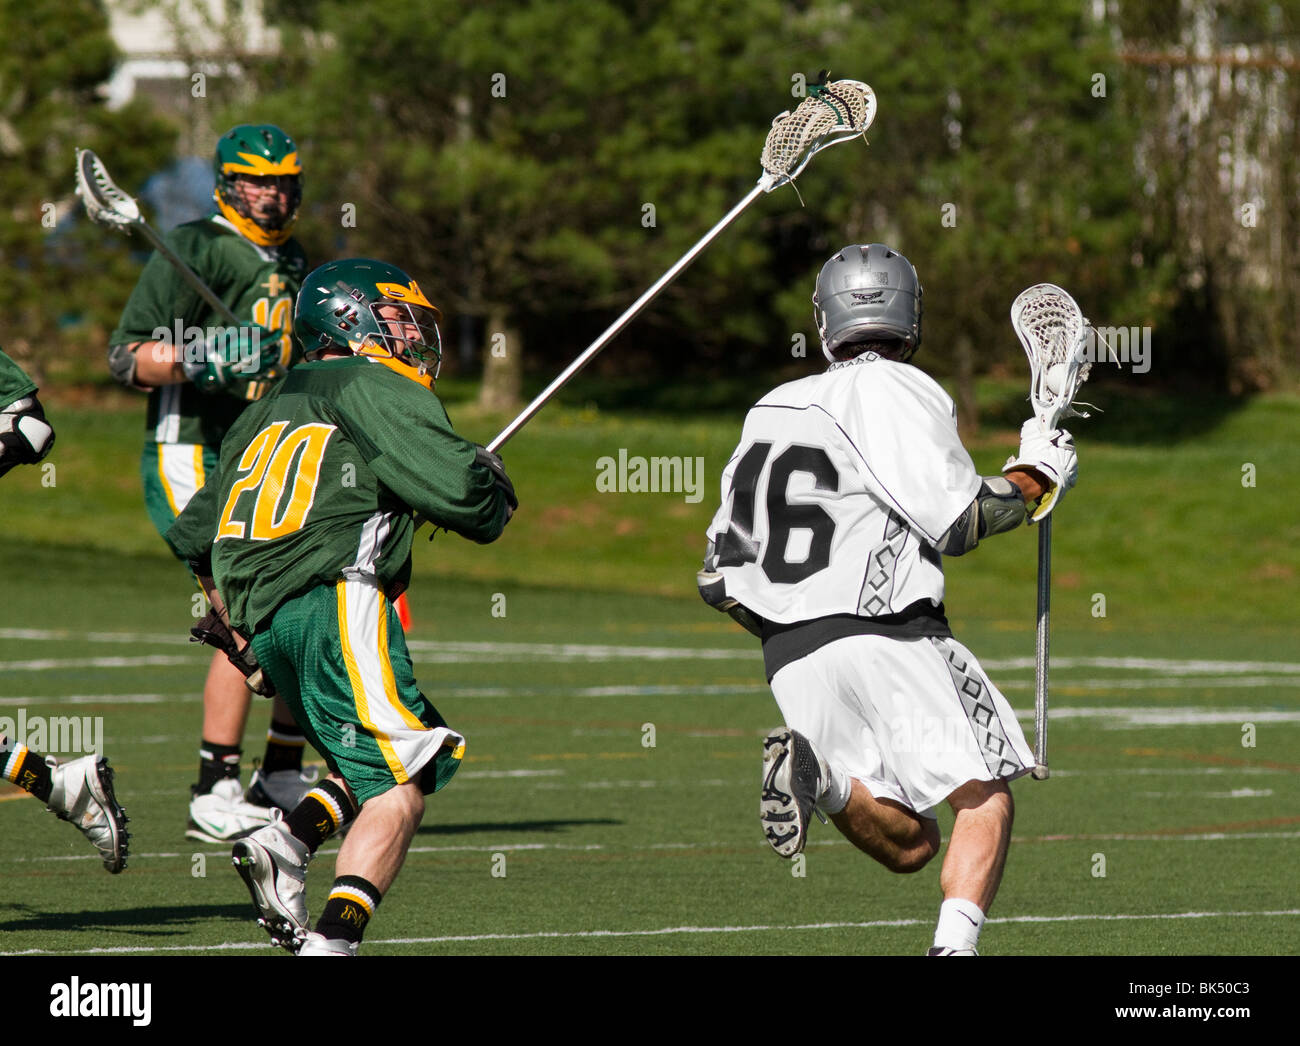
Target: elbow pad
[713,590]
[121,364]
[998,507]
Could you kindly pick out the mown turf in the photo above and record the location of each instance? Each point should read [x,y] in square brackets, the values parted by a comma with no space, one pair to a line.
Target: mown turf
[616,789]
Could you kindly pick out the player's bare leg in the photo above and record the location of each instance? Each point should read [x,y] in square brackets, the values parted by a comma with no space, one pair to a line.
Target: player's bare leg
[377,843]
[226,701]
[972,867]
[981,834]
[900,839]
[368,862]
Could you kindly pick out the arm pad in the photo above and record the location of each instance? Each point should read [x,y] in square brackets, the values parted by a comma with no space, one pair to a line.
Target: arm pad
[998,507]
[121,364]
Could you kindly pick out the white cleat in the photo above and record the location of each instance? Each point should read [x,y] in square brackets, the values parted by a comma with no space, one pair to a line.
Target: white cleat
[82,792]
[273,865]
[952,951]
[223,814]
[794,776]
[316,944]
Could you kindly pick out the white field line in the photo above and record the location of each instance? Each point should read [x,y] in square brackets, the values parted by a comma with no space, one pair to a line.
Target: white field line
[1236,793]
[1157,682]
[1146,716]
[1151,664]
[1125,717]
[99,699]
[1162,771]
[670,931]
[142,661]
[470,652]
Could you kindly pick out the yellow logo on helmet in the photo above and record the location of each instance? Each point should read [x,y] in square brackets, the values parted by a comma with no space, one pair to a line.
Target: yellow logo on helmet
[411,294]
[255,164]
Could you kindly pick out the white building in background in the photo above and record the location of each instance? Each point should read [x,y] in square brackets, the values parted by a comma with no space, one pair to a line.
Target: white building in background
[172,48]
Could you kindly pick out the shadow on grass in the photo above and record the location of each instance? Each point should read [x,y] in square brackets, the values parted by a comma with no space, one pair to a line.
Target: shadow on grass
[140,922]
[510,826]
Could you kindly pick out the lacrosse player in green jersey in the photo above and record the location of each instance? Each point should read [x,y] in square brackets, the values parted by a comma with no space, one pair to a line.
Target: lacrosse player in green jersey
[306,530]
[200,376]
[25,435]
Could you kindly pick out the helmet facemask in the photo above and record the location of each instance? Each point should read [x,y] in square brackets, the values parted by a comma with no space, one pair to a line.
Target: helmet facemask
[250,160]
[408,333]
[248,196]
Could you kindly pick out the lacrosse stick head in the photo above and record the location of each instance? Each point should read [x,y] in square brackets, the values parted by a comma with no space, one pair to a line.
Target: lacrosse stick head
[105,203]
[832,113]
[1053,331]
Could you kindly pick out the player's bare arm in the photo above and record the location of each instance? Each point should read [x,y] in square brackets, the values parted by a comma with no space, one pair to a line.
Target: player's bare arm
[152,363]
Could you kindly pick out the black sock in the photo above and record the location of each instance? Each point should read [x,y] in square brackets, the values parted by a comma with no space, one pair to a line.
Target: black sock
[351,903]
[216,763]
[25,768]
[322,812]
[284,745]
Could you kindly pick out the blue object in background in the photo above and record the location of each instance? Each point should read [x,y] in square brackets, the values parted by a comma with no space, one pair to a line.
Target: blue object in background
[179,194]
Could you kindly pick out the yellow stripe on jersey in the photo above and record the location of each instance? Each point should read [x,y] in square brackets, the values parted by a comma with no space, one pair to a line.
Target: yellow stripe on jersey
[359,698]
[198,466]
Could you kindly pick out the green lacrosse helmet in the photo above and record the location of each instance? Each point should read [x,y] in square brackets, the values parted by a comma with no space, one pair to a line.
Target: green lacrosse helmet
[257,151]
[373,309]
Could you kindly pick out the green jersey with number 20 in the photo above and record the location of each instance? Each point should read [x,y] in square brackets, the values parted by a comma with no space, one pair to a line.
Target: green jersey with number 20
[319,480]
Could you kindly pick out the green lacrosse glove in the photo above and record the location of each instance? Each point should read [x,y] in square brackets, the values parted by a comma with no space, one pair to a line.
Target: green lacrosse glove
[233,355]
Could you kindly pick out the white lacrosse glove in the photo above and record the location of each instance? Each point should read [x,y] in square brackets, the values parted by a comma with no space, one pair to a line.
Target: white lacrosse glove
[1051,453]
[25,435]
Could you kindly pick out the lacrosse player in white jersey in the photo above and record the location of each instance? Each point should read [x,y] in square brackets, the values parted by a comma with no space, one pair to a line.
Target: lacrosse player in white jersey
[847,490]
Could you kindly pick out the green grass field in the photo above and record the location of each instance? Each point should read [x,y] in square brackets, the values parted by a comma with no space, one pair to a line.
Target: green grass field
[608,801]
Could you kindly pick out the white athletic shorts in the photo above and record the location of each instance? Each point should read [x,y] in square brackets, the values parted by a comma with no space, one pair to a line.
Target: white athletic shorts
[912,719]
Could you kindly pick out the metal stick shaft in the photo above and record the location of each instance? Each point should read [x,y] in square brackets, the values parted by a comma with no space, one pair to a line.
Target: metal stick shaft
[628,315]
[189,275]
[1041,647]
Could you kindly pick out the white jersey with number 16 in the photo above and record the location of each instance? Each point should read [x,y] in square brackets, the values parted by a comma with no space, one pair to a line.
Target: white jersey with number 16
[841,486]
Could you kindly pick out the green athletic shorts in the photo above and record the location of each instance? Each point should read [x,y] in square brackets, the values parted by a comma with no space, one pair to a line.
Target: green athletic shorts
[172,474]
[338,657]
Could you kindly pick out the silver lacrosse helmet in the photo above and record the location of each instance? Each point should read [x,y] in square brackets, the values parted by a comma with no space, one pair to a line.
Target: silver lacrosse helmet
[868,292]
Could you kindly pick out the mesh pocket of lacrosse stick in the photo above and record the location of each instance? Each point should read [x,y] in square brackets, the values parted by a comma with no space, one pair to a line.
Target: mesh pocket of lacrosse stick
[832,113]
[1053,331]
[105,203]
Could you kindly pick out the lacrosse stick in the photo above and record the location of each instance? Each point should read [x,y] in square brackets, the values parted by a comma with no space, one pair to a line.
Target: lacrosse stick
[832,113]
[108,205]
[1053,331]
